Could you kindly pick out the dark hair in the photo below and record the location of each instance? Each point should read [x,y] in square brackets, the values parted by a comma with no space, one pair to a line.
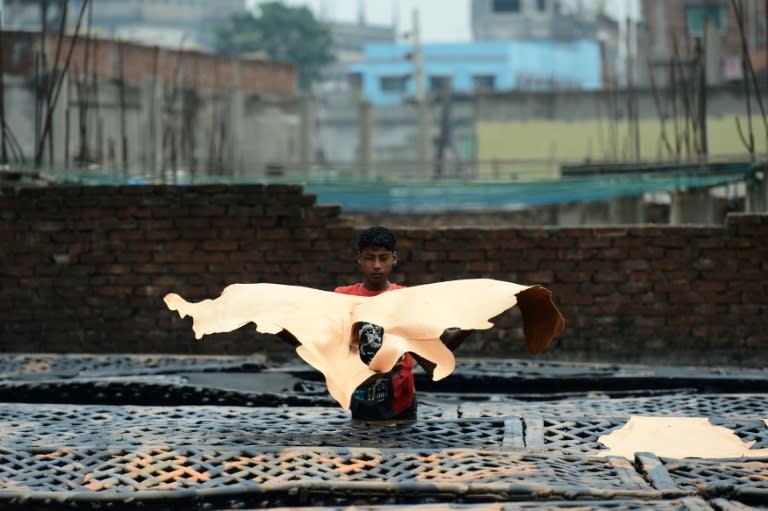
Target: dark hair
[375,237]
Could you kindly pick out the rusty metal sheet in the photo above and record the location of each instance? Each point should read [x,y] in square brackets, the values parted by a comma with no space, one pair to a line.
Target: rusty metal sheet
[720,477]
[94,474]
[520,376]
[745,481]
[580,434]
[30,425]
[679,404]
[145,392]
[543,368]
[722,504]
[32,366]
[238,448]
[53,425]
[747,430]
[573,436]
[682,504]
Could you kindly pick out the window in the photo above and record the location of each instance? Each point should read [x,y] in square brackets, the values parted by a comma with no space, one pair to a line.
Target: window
[439,83]
[506,5]
[483,82]
[697,16]
[541,5]
[393,83]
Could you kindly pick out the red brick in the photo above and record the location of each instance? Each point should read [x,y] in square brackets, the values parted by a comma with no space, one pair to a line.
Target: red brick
[484,267]
[668,264]
[574,299]
[610,232]
[150,268]
[539,277]
[667,287]
[594,266]
[598,243]
[466,255]
[514,244]
[220,246]
[709,286]
[183,268]
[611,253]
[126,236]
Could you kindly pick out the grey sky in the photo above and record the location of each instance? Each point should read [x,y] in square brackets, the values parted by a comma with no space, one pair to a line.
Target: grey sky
[440,20]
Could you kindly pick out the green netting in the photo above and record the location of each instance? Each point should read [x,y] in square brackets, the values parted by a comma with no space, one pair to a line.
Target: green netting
[413,195]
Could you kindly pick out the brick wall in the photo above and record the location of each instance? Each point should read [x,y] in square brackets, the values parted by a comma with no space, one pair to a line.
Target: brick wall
[104,58]
[85,270]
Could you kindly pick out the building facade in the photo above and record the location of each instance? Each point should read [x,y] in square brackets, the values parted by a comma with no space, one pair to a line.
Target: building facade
[168,23]
[521,20]
[386,75]
[526,135]
[495,20]
[153,112]
[349,40]
[674,25]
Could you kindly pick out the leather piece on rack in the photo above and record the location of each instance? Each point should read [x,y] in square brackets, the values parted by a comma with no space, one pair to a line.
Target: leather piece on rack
[677,437]
[413,319]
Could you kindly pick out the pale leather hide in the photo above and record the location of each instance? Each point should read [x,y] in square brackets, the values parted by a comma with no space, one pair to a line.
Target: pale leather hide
[413,319]
[677,437]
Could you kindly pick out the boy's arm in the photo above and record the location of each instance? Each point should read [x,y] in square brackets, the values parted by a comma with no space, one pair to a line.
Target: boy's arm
[452,338]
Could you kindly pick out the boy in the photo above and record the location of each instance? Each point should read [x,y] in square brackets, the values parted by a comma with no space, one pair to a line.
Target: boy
[391,396]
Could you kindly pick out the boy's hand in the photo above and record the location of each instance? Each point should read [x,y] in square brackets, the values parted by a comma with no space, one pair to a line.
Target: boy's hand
[453,337]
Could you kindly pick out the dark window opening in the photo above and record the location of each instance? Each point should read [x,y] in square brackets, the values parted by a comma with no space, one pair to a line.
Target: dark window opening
[506,5]
[393,83]
[698,15]
[439,83]
[484,82]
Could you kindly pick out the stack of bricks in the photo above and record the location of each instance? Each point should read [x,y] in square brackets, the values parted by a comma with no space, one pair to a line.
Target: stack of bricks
[84,269]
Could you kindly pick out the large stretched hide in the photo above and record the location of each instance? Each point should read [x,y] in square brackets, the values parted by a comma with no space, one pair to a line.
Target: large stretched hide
[413,319]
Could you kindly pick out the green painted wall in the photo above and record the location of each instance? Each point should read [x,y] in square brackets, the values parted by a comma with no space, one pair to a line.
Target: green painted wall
[536,149]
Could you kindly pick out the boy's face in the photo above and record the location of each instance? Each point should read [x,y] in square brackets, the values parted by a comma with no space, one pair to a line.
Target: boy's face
[376,264]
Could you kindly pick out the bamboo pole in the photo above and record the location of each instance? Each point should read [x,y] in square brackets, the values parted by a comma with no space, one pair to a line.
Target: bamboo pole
[60,80]
[3,142]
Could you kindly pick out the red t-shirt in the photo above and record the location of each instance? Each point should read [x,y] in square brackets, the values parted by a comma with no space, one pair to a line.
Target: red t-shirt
[401,376]
[359,290]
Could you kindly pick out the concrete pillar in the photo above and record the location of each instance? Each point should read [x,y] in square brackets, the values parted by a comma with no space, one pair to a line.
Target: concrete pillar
[595,213]
[660,43]
[365,146]
[236,131]
[642,78]
[752,21]
[756,195]
[626,210]
[763,186]
[425,151]
[569,215]
[696,206]
[574,214]
[307,134]
[152,106]
[677,205]
[235,105]
[713,52]
[59,125]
